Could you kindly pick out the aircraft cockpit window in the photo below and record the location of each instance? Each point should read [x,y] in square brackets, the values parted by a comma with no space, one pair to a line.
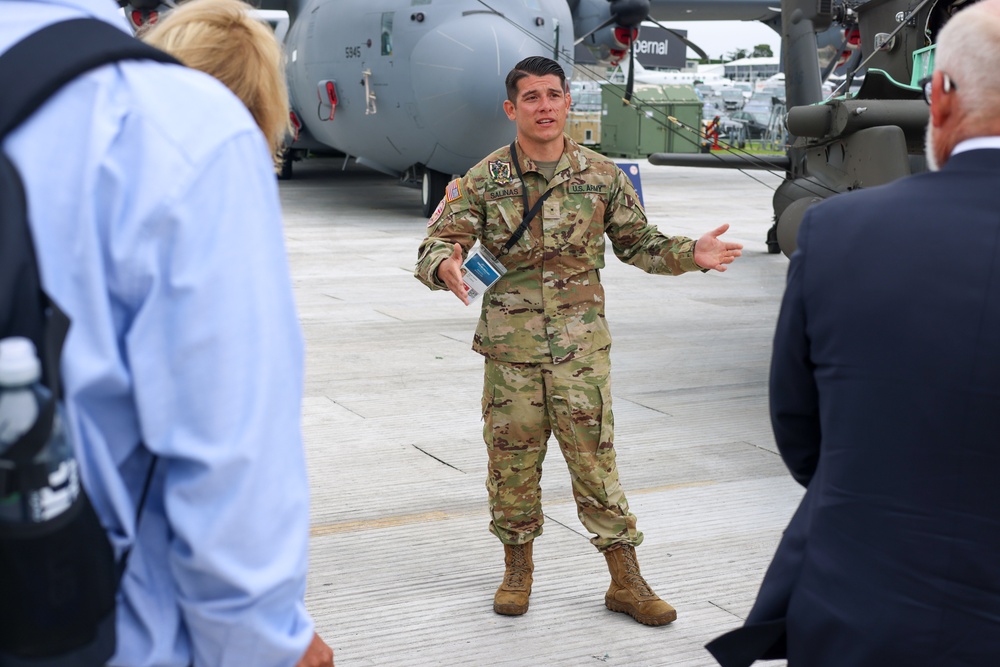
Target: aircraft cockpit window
[532,4]
[414,3]
[941,12]
[387,33]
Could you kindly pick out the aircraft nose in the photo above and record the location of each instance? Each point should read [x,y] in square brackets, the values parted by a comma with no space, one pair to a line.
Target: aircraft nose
[458,71]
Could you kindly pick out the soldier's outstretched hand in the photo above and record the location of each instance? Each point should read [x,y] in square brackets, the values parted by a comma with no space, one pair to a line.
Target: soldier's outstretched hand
[711,252]
[449,272]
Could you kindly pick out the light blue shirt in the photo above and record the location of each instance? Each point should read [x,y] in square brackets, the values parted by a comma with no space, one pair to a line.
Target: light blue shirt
[156,218]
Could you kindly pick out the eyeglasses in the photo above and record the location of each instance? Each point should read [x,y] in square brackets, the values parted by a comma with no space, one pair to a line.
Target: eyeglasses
[925,85]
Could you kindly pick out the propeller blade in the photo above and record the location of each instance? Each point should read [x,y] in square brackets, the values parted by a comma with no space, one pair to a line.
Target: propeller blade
[630,82]
[694,47]
[611,19]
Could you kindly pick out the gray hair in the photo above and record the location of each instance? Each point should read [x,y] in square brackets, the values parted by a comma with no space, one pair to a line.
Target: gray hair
[968,50]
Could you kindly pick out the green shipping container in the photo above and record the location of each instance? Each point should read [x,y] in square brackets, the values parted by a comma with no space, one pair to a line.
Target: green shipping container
[642,128]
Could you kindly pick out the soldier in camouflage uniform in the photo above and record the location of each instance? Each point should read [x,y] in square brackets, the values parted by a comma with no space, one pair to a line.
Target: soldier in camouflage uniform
[543,330]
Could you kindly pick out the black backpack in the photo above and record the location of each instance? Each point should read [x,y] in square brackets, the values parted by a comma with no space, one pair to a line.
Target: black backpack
[58,579]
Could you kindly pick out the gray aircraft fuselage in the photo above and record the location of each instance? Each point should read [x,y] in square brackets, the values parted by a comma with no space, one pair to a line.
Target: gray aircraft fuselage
[436,71]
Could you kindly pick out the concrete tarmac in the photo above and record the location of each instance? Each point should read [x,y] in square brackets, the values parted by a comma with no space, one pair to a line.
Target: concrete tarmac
[402,567]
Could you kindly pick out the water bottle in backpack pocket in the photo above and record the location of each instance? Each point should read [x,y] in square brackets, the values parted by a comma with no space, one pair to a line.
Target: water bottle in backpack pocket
[57,569]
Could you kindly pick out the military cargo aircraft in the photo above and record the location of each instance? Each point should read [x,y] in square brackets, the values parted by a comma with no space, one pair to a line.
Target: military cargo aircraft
[415,88]
[848,141]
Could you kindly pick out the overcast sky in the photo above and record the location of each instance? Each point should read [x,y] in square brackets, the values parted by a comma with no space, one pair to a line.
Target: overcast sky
[718,38]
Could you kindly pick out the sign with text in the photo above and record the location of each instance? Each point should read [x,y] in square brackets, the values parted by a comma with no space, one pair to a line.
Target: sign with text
[655,47]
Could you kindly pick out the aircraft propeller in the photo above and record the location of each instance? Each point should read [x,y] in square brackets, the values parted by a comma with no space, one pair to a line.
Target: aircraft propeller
[601,26]
[627,15]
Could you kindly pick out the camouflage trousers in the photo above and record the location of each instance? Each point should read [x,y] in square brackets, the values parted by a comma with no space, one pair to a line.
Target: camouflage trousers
[522,405]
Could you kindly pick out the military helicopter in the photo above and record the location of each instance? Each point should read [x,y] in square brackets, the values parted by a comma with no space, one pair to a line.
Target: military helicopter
[415,88]
[847,141]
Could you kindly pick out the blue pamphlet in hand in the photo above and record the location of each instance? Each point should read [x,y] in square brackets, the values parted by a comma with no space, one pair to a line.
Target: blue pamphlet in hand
[480,271]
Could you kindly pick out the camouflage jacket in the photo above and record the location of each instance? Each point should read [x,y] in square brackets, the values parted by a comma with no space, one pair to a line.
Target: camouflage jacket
[549,307]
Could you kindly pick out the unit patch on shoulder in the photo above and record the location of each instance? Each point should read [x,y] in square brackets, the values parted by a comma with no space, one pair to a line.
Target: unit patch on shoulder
[576,188]
[500,172]
[437,213]
[453,191]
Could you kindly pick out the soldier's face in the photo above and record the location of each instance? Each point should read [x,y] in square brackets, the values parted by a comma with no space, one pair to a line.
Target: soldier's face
[540,109]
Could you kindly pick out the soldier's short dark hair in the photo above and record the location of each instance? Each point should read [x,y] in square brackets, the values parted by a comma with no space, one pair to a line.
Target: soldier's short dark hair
[533,66]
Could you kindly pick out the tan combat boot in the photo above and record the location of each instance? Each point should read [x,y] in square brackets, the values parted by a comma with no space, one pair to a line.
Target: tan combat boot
[511,598]
[630,594]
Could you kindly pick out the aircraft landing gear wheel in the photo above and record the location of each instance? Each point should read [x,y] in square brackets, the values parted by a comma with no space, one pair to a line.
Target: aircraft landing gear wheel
[432,190]
[287,157]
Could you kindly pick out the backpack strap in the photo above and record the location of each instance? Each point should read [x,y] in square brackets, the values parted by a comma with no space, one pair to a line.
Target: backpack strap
[42,63]
[31,71]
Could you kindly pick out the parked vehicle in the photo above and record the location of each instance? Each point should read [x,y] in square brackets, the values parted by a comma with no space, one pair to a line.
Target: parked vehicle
[770,92]
[732,98]
[754,122]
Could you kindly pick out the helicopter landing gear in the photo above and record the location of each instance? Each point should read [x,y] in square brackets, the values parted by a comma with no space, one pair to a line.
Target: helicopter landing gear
[773,248]
[787,226]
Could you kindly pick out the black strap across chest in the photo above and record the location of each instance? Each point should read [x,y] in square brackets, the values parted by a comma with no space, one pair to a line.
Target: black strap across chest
[529,213]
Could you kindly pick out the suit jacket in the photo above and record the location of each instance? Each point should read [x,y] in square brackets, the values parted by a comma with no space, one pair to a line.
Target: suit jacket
[885,401]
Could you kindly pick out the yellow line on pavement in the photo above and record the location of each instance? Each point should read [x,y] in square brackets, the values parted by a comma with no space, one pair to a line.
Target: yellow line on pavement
[322,530]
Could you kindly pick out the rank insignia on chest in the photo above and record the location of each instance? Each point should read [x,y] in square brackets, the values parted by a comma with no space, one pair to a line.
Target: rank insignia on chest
[500,172]
[453,191]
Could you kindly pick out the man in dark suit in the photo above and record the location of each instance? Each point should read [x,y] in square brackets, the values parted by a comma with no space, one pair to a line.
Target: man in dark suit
[885,402]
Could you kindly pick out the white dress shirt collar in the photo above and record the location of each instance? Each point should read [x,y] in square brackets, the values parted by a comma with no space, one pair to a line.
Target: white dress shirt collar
[976,143]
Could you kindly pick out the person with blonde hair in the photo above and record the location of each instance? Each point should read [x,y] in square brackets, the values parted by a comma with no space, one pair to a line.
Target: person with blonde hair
[222,38]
